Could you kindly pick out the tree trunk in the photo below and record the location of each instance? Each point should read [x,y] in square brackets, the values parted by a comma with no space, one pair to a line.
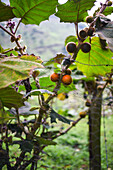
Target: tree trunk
[94,132]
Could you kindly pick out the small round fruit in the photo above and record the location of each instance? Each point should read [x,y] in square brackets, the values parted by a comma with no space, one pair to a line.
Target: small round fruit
[109,3]
[88,103]
[68,71]
[71,47]
[89,19]
[61,96]
[83,114]
[12,39]
[100,87]
[54,77]
[91,31]
[82,34]
[67,79]
[86,47]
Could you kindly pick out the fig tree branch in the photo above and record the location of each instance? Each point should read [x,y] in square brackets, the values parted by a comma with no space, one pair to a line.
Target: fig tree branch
[65,131]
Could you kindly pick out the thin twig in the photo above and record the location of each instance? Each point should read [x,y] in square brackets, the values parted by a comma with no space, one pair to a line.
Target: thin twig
[65,131]
[17,26]
[12,35]
[8,51]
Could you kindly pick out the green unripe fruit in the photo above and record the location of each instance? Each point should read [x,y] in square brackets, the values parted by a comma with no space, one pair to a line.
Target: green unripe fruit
[91,31]
[89,19]
[82,34]
[109,3]
[86,47]
[71,47]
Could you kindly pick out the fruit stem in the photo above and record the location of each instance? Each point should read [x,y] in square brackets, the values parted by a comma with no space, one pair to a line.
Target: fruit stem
[17,26]
[12,35]
[103,7]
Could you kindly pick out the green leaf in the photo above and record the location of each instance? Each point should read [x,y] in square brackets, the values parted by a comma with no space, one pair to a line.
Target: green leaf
[25,145]
[54,116]
[108,11]
[15,68]
[31,58]
[24,110]
[4,51]
[97,61]
[33,12]
[57,59]
[6,12]
[71,38]
[1,49]
[34,108]
[10,98]
[4,116]
[43,141]
[38,92]
[74,10]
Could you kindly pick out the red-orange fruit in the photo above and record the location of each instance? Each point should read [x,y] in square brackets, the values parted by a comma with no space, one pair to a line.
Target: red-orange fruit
[67,79]
[54,77]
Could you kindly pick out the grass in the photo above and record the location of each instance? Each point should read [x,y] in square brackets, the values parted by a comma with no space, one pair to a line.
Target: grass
[71,153]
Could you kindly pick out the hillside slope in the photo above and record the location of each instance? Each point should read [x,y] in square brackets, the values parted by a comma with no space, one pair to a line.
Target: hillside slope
[44,40]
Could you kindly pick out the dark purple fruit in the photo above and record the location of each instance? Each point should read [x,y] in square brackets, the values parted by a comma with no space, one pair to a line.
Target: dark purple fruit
[82,34]
[90,31]
[89,19]
[71,47]
[86,47]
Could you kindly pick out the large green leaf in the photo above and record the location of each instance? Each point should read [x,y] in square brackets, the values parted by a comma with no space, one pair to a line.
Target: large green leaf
[97,62]
[15,68]
[5,12]
[108,11]
[74,10]
[10,98]
[32,11]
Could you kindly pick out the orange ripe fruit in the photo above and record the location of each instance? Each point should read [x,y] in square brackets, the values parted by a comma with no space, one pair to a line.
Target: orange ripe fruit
[83,114]
[54,77]
[67,79]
